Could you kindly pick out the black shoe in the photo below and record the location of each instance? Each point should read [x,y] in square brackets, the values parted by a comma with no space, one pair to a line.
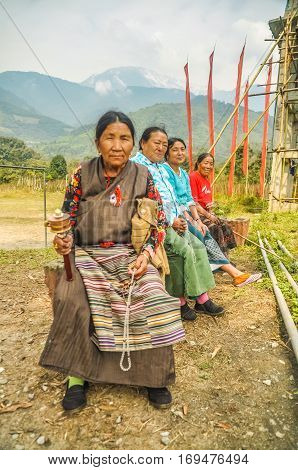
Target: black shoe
[159,397]
[75,397]
[187,313]
[209,308]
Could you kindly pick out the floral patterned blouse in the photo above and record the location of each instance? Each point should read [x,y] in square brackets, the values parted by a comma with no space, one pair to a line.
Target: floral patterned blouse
[72,201]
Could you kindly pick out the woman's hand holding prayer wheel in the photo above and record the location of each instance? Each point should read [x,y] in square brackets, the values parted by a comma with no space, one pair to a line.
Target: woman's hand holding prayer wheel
[63,245]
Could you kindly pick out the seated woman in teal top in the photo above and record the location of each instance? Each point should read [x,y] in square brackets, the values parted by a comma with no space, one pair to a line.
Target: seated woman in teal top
[179,179]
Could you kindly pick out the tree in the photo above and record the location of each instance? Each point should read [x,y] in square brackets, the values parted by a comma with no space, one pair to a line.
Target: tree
[254,164]
[15,152]
[58,168]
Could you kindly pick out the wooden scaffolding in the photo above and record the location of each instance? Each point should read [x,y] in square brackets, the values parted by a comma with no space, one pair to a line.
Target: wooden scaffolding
[283,161]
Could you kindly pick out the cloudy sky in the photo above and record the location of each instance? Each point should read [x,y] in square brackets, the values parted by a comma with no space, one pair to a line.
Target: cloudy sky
[77,38]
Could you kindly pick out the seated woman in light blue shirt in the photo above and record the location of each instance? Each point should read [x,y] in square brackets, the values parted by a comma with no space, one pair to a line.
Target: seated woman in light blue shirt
[191,276]
[179,179]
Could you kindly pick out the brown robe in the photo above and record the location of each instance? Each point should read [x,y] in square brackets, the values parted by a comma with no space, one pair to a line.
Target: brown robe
[69,347]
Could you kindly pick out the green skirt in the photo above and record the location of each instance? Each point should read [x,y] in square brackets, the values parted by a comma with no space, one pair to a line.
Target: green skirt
[191,274]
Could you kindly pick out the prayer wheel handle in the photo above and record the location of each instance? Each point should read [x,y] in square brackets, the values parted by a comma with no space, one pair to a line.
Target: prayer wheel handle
[59,224]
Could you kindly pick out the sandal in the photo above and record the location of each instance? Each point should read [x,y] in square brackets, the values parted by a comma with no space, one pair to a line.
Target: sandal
[246,278]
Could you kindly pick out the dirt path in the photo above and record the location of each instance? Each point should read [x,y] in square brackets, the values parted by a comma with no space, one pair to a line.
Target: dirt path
[24,233]
[243,398]
[21,218]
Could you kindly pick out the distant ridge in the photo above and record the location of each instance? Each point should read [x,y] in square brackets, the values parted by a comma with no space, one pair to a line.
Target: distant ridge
[77,145]
[39,92]
[32,109]
[18,119]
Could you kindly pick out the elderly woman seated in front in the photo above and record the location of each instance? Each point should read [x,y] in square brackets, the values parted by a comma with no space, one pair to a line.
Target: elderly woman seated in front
[114,323]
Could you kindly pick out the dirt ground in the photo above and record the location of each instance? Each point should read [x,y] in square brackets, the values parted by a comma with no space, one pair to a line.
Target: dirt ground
[235,386]
[22,216]
[31,234]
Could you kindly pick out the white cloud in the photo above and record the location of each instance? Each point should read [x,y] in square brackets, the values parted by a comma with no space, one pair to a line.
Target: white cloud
[255,30]
[78,38]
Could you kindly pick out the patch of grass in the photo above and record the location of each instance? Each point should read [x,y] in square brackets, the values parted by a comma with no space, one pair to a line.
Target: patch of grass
[205,366]
[27,204]
[239,205]
[284,226]
[284,285]
[203,375]
[29,258]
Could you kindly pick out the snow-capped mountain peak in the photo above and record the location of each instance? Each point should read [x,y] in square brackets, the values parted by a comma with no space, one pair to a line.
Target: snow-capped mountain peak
[118,79]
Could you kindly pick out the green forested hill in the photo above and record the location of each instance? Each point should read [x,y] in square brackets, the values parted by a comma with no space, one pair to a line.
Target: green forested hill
[173,117]
[16,152]
[18,119]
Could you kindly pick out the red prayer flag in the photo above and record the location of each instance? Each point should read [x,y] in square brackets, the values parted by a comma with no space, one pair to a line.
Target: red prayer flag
[210,110]
[265,131]
[245,130]
[188,111]
[235,128]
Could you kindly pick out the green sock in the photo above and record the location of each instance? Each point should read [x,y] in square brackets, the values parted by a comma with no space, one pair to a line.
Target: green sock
[74,381]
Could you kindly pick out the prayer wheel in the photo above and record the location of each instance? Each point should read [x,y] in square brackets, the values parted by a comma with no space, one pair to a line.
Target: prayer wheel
[59,224]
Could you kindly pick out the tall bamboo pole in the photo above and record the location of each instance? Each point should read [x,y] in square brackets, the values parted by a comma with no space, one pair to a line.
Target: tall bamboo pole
[45,207]
[249,86]
[250,130]
[283,307]
[283,120]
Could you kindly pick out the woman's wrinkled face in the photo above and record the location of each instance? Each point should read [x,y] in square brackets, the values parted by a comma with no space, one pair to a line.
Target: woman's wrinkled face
[206,166]
[177,154]
[115,145]
[155,147]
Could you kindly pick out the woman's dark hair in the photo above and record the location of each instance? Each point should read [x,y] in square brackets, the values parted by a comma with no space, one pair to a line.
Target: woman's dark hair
[109,118]
[171,142]
[201,158]
[147,134]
